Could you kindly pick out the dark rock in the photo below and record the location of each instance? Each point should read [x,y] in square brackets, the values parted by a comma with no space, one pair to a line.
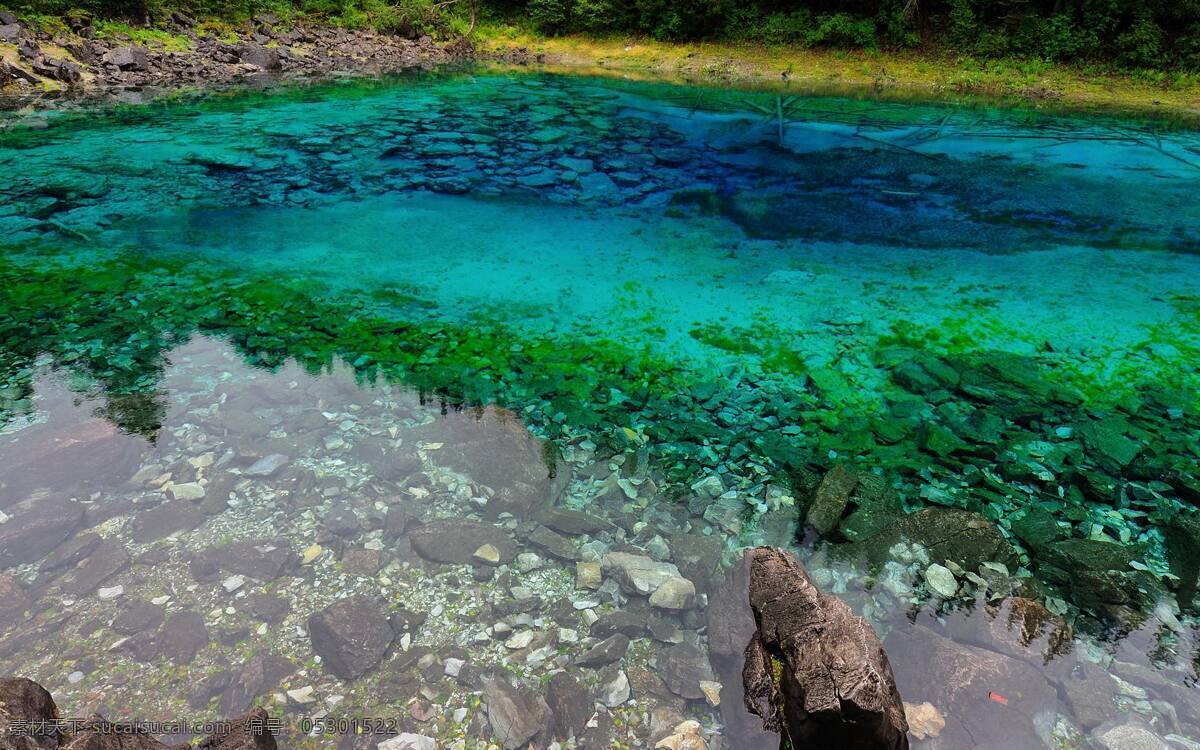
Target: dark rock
[625,622]
[571,522]
[108,559]
[23,700]
[69,553]
[683,667]
[1038,528]
[138,617]
[166,519]
[14,602]
[260,559]
[830,499]
[36,527]
[266,58]
[966,538]
[515,715]
[454,541]
[361,561]
[1090,693]
[127,58]
[569,703]
[1182,537]
[351,636]
[209,688]
[266,607]
[605,652]
[697,557]
[8,18]
[553,543]
[989,700]
[835,686]
[343,522]
[258,677]
[181,637]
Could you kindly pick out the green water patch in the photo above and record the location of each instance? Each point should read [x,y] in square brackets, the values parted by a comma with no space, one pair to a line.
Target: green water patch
[985,431]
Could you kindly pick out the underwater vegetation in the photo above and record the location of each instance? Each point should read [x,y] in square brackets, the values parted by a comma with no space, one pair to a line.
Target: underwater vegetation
[905,293]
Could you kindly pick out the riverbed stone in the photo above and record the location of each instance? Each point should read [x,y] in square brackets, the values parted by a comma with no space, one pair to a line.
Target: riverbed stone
[569,703]
[108,559]
[454,541]
[982,693]
[351,636]
[637,574]
[674,593]
[516,715]
[138,617]
[181,637]
[36,526]
[605,652]
[683,667]
[830,499]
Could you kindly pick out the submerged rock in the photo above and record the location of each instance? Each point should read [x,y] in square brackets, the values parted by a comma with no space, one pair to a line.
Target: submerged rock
[982,693]
[515,715]
[351,636]
[455,541]
[813,669]
[637,574]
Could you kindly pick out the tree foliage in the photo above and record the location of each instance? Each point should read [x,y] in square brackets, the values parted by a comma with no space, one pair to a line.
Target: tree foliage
[1162,34]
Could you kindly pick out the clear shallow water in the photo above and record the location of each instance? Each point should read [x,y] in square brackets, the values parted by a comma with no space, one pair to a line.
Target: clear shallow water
[974,309]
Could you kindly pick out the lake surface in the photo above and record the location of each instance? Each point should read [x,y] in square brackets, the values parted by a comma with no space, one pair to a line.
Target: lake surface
[262,352]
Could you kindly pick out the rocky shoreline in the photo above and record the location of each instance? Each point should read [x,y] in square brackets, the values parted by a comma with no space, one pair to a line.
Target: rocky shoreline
[80,64]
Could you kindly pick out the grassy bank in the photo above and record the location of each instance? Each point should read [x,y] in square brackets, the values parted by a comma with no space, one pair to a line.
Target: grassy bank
[882,74]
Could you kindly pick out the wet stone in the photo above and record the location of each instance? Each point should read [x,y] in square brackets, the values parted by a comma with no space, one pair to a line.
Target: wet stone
[181,637]
[573,523]
[569,703]
[108,559]
[683,667]
[515,715]
[553,543]
[260,676]
[605,652]
[266,607]
[351,636]
[36,527]
[68,554]
[637,574]
[138,617]
[260,559]
[13,601]
[166,519]
[454,541]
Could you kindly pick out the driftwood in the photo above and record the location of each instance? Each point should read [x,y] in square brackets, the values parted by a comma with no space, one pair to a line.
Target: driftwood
[814,671]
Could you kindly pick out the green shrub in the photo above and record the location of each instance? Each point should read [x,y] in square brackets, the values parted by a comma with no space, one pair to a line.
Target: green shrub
[550,16]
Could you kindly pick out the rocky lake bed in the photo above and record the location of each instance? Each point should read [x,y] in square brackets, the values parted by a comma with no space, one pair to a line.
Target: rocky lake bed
[440,410]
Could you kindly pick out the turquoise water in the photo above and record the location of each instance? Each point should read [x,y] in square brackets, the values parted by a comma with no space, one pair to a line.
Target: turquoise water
[733,292]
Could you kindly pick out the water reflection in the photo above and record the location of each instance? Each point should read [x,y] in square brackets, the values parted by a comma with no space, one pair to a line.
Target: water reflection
[331,548]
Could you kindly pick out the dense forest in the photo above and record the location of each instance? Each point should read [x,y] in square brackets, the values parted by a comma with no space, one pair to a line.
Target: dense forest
[1162,34]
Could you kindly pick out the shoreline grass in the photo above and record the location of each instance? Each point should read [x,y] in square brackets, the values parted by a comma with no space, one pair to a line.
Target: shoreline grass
[874,73]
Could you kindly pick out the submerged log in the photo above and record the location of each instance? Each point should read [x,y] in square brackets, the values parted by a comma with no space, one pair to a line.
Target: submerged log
[814,671]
